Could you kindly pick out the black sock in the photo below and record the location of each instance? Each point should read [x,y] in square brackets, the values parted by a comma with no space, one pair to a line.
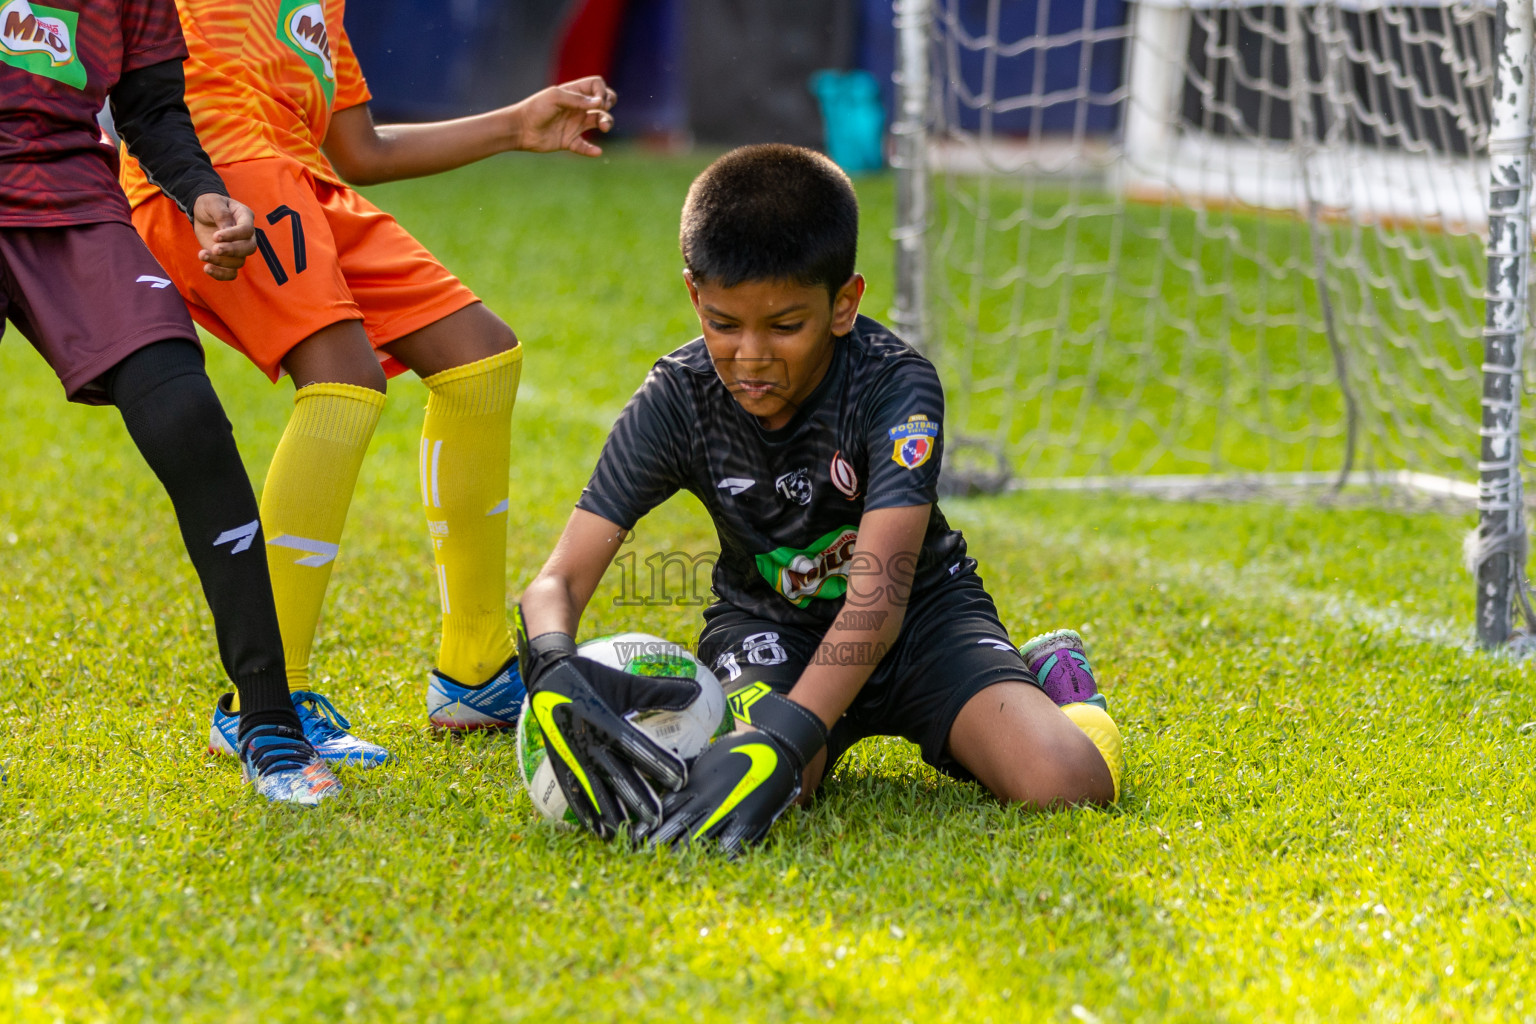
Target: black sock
[172,414]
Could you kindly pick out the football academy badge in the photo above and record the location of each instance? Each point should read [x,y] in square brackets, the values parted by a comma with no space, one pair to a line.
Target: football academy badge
[914,440]
[41,40]
[843,476]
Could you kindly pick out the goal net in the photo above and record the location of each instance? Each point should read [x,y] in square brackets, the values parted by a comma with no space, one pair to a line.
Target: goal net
[1193,244]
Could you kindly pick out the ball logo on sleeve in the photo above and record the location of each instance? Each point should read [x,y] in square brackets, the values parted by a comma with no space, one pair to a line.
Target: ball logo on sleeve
[914,441]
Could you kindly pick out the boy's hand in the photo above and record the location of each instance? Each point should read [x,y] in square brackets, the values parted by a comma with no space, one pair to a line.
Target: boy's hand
[556,118]
[598,756]
[226,230]
[744,781]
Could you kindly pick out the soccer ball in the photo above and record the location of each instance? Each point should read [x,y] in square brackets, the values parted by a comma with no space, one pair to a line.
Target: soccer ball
[686,733]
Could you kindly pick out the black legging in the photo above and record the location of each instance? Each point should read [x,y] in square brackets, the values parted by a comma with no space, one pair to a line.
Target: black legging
[174,416]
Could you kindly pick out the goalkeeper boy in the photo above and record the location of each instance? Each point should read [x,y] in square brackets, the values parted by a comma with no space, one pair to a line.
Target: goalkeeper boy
[848,607]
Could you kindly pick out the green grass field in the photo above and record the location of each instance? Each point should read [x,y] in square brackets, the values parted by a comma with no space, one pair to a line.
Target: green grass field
[1327,810]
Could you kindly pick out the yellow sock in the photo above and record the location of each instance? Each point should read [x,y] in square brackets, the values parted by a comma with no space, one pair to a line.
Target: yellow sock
[304,506]
[1096,723]
[466,452]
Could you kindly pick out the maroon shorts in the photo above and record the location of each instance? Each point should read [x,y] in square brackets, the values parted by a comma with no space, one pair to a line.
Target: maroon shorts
[87,297]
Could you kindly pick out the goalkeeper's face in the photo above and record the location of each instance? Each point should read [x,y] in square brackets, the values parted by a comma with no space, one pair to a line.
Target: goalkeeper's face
[772,341]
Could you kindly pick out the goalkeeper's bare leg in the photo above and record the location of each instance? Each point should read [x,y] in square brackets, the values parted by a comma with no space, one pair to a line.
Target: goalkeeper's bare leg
[1025,749]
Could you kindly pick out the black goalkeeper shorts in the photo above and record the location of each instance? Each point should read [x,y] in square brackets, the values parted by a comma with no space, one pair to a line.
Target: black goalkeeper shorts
[951,647]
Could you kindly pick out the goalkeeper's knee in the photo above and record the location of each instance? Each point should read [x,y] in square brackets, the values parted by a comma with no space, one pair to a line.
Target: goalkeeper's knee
[1101,729]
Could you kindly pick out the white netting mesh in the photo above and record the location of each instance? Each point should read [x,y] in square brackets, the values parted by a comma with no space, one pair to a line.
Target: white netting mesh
[1211,238]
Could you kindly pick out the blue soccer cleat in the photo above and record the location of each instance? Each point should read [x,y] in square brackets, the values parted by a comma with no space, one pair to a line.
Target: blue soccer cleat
[324,728]
[224,733]
[284,767]
[496,705]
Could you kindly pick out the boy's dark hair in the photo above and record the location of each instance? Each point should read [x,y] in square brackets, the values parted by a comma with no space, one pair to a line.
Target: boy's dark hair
[771,213]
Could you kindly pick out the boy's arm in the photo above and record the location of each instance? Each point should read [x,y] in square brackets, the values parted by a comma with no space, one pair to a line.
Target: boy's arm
[554,601]
[150,113]
[742,783]
[597,755]
[552,119]
[879,585]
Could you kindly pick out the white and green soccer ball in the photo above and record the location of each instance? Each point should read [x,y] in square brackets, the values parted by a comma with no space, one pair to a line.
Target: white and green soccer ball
[685,733]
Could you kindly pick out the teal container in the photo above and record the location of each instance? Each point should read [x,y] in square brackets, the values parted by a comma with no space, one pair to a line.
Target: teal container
[852,118]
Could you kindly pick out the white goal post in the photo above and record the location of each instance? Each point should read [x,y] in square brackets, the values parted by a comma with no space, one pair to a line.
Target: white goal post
[1197,245]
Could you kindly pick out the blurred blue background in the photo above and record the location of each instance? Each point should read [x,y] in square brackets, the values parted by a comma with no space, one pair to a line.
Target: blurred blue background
[723,72]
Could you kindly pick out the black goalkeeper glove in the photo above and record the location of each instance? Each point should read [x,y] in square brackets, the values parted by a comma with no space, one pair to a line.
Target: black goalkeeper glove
[742,783]
[597,754]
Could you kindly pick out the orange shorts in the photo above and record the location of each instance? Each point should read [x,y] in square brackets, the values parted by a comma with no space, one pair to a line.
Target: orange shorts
[325,254]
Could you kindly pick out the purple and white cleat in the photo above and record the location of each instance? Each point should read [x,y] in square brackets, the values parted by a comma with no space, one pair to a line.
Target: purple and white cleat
[1060,666]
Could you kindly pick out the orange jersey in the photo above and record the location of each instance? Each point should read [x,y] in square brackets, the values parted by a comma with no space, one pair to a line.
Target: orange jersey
[263,77]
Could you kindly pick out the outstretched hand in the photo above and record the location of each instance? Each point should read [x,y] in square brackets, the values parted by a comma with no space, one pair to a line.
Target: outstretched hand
[226,230]
[555,118]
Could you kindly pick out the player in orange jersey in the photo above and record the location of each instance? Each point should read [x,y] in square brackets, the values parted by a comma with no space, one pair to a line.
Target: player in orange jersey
[344,298]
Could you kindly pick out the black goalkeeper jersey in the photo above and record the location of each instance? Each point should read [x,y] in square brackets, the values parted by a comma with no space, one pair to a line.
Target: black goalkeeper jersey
[787,502]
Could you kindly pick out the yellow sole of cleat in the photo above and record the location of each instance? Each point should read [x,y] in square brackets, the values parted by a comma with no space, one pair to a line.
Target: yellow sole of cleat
[1105,734]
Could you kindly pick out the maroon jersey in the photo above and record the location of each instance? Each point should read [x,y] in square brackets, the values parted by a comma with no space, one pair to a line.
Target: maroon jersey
[57,65]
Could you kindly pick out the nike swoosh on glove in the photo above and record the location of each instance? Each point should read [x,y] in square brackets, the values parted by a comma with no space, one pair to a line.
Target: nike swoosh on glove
[599,757]
[743,782]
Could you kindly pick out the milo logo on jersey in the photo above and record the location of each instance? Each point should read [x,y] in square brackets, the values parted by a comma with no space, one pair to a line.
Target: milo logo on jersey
[40,40]
[818,571]
[301,24]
